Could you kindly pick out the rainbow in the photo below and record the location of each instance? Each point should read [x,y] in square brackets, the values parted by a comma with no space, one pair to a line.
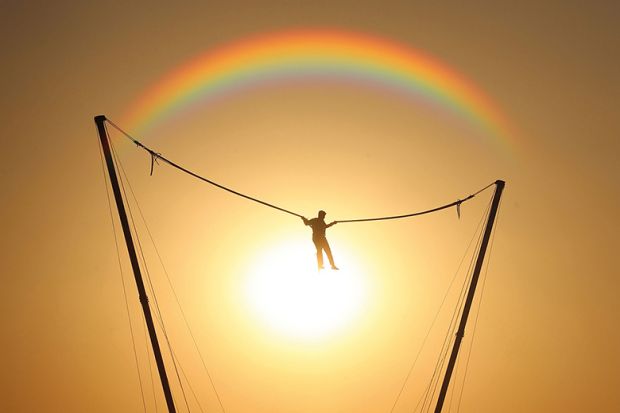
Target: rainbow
[318,54]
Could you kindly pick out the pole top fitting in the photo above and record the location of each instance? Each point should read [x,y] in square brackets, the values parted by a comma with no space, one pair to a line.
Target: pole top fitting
[100,118]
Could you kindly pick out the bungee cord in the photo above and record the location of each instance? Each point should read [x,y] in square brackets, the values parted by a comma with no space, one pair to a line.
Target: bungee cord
[156,156]
[456,203]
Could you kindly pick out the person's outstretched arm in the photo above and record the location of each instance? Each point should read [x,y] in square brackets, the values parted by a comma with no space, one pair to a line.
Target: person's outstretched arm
[305,220]
[331,223]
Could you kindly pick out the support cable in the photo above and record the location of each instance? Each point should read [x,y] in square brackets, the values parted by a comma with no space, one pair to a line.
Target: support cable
[445,348]
[155,156]
[176,297]
[434,381]
[176,362]
[432,384]
[473,334]
[469,271]
[191,388]
[174,294]
[120,266]
[148,356]
[147,273]
[452,389]
[402,388]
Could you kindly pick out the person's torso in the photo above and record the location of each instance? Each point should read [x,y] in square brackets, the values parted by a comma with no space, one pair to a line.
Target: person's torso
[318,227]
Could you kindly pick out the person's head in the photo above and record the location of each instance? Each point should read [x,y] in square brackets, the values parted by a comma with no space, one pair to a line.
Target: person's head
[322,214]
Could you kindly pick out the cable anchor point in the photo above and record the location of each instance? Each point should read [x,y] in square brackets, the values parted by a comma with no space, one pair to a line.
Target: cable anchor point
[154,159]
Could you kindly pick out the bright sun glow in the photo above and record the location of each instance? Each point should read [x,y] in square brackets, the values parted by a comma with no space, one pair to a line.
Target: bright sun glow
[287,292]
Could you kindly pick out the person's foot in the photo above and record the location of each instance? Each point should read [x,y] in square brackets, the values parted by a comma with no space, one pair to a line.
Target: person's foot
[335,268]
[321,267]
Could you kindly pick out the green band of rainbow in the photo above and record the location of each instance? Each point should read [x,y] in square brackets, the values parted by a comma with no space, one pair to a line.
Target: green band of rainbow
[318,54]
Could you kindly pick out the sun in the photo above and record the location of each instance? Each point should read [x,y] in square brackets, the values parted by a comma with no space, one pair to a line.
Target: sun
[287,294]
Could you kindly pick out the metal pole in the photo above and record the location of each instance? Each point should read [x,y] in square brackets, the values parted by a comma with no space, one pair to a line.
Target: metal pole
[103,136]
[470,294]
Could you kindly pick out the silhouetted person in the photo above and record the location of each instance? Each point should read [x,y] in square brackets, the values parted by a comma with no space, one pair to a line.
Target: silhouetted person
[319,226]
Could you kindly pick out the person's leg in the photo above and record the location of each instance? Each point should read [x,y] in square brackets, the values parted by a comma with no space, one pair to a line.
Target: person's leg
[319,254]
[328,251]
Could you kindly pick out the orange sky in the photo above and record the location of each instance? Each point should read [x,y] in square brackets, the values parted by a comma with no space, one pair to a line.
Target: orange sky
[546,338]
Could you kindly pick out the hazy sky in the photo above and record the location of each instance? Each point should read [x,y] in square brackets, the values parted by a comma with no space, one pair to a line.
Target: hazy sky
[547,332]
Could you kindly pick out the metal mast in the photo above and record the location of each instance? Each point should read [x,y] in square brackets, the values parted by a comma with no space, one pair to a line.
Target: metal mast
[105,145]
[470,294]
